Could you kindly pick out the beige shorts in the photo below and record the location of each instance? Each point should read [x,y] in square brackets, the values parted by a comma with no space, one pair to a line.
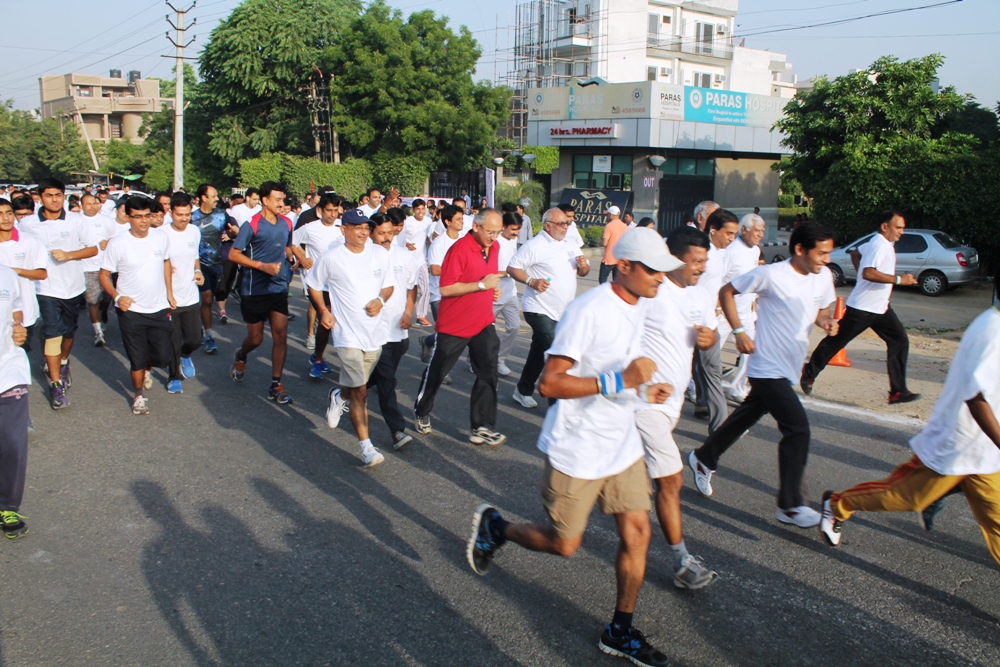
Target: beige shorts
[569,500]
[356,365]
[93,282]
[663,459]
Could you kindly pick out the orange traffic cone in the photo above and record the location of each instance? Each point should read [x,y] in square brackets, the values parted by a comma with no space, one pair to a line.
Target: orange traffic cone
[840,359]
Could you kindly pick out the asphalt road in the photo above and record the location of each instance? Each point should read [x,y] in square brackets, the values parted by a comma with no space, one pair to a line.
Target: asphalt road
[226,530]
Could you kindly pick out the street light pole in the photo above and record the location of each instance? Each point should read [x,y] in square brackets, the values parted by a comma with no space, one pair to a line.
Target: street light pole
[179,92]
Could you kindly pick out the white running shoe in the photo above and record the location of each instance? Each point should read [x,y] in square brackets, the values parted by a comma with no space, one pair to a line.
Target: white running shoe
[338,406]
[702,475]
[372,458]
[139,406]
[829,527]
[147,381]
[310,342]
[502,368]
[525,401]
[801,516]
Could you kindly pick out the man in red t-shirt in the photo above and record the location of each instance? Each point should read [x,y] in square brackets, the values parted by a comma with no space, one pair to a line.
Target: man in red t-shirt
[469,286]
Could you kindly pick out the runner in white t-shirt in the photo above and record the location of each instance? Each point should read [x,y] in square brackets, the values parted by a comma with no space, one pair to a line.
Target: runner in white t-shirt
[25,254]
[467,219]
[398,317]
[742,256]
[143,296]
[248,209]
[103,228]
[15,376]
[710,400]
[678,321]
[507,306]
[593,450]
[549,266]
[573,234]
[185,243]
[317,237]
[453,220]
[414,238]
[868,308]
[357,277]
[959,446]
[68,240]
[793,296]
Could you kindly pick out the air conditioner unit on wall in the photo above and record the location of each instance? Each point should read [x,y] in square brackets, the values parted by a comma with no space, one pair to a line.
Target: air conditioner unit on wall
[666,71]
[722,29]
[719,78]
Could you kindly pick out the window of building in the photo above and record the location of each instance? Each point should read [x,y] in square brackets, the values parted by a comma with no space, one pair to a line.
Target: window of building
[84,91]
[116,128]
[651,73]
[653,31]
[701,79]
[704,34]
[619,178]
[688,166]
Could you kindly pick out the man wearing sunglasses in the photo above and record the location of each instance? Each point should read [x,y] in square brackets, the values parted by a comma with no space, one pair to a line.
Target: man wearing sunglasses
[549,265]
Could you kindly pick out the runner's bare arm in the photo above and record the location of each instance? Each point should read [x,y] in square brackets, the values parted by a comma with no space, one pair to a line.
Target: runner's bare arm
[984,416]
[556,382]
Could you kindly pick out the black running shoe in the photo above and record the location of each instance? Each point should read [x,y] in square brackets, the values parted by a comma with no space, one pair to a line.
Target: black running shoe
[926,517]
[635,647]
[806,382]
[482,547]
[905,396]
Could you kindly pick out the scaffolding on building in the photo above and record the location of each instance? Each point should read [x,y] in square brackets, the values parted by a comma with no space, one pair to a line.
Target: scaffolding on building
[554,42]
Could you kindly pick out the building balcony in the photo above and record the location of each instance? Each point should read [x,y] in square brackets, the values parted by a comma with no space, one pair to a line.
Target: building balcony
[572,39]
[721,47]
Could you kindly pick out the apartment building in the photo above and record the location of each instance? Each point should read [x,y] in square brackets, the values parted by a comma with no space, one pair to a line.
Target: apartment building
[104,107]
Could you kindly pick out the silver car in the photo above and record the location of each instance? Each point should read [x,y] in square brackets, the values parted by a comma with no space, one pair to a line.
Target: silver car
[936,259]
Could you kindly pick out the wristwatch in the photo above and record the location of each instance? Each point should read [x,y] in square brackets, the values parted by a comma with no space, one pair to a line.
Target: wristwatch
[481,285]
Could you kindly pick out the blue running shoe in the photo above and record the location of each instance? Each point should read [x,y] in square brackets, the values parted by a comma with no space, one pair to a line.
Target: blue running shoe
[175,387]
[315,368]
[187,368]
[634,647]
[482,547]
[210,346]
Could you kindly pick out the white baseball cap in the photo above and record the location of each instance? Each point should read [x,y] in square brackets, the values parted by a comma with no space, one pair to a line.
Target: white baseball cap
[614,210]
[646,246]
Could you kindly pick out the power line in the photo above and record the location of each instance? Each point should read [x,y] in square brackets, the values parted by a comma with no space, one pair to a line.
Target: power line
[803,9]
[888,12]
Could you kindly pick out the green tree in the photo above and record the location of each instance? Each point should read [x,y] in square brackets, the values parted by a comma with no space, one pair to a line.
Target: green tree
[974,120]
[406,88]
[529,194]
[31,149]
[860,114]
[252,69]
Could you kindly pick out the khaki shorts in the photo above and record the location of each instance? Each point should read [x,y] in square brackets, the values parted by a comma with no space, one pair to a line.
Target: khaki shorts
[663,459]
[356,365]
[94,289]
[569,500]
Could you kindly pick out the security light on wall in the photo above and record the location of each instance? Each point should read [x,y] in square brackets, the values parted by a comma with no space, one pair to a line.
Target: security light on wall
[529,158]
[498,161]
[657,160]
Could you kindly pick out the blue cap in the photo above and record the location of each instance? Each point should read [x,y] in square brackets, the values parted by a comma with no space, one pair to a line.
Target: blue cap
[354,216]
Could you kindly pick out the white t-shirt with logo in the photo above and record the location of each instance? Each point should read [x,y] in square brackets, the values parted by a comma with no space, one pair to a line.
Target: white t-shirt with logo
[595,437]
[952,443]
[354,279]
[788,305]
[715,269]
[14,369]
[878,254]
[139,263]
[573,235]
[183,254]
[547,259]
[415,233]
[65,279]
[435,256]
[669,337]
[405,269]
[103,228]
[508,288]
[28,253]
[317,238]
[740,259]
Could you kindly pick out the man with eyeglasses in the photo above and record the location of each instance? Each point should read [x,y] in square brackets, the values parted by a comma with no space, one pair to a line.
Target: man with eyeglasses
[549,265]
[143,296]
[67,239]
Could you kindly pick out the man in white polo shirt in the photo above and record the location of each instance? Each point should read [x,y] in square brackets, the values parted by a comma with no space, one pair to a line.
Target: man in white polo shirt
[103,228]
[317,237]
[794,296]
[69,240]
[868,308]
[357,277]
[414,239]
[143,296]
[507,305]
[742,256]
[549,266]
[680,320]
[185,243]
[15,376]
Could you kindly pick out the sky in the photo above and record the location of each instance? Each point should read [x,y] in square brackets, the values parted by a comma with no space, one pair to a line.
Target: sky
[99,35]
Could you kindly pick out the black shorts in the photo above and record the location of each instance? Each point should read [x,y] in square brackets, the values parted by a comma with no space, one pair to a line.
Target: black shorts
[258,308]
[212,275]
[148,338]
[59,316]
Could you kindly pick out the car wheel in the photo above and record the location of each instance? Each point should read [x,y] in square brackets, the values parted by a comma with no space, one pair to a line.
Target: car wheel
[838,275]
[933,283]
[777,258]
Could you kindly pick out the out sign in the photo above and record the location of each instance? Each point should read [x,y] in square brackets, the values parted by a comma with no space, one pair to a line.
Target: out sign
[649,182]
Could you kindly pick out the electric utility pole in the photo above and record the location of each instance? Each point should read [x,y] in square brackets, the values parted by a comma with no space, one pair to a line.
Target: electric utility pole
[179,44]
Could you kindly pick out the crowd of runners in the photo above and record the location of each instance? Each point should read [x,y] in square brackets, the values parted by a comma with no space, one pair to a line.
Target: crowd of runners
[613,364]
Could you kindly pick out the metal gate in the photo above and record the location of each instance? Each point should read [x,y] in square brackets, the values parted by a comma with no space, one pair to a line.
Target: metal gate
[678,197]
